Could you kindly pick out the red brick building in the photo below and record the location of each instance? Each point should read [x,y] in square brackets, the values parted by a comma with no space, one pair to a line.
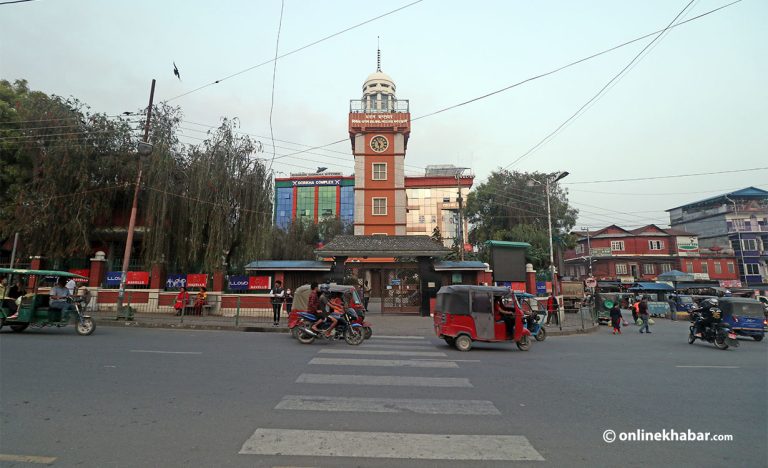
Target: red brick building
[614,253]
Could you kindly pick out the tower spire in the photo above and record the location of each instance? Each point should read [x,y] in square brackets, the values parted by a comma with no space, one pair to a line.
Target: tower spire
[378,55]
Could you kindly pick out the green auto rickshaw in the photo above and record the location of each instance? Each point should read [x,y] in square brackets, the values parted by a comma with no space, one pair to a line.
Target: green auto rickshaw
[32,309]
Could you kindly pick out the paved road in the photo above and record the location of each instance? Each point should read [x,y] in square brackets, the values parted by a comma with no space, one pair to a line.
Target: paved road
[154,397]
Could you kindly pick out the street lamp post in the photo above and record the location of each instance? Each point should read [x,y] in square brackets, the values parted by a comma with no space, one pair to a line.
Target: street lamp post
[557,176]
[741,244]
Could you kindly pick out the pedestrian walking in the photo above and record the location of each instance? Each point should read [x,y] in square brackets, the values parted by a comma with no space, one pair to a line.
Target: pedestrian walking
[366,295]
[643,312]
[552,310]
[616,318]
[278,295]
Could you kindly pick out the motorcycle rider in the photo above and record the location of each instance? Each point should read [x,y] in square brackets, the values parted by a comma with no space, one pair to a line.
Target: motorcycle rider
[707,317]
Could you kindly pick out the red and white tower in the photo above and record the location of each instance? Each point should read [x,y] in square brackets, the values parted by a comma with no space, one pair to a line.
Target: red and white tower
[379,125]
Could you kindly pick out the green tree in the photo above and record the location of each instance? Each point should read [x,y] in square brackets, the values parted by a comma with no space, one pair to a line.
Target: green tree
[509,207]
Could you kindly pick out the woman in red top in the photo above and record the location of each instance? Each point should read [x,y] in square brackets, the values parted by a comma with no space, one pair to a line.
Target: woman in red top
[182,299]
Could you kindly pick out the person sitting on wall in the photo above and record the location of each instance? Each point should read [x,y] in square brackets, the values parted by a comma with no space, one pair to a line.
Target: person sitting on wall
[200,300]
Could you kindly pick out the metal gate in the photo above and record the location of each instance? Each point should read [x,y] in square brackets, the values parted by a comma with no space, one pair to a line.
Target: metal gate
[400,291]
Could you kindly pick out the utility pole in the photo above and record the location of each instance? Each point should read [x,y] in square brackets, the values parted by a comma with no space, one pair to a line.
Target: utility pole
[741,244]
[461,222]
[144,149]
[589,249]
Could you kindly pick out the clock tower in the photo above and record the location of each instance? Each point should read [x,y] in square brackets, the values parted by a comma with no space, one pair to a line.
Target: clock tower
[379,125]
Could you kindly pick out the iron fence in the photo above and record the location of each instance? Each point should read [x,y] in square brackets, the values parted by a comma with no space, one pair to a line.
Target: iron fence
[224,309]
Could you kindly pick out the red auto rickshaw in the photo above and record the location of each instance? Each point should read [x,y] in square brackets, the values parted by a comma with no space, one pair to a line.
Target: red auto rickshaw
[465,313]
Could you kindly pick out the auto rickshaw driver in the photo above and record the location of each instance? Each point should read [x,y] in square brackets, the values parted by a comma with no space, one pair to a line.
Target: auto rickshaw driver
[502,312]
[59,295]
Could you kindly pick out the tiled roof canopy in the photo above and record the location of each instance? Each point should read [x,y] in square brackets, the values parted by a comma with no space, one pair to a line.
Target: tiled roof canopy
[383,246]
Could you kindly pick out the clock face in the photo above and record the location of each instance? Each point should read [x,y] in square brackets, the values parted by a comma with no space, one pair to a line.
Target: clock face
[379,143]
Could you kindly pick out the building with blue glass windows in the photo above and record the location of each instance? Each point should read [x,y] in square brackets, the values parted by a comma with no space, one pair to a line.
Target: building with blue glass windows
[314,197]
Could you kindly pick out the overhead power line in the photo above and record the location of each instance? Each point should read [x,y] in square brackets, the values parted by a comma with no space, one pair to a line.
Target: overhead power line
[274,75]
[542,75]
[15,1]
[575,62]
[295,50]
[698,174]
[597,95]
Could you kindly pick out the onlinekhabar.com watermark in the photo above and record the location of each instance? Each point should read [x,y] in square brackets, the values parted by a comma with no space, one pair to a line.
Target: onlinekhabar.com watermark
[665,435]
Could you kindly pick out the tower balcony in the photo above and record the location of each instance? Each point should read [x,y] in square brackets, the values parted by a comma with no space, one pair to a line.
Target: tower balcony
[385,104]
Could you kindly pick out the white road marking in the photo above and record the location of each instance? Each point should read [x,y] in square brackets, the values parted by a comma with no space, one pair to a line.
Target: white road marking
[710,367]
[422,344]
[361,352]
[453,360]
[387,405]
[383,380]
[164,352]
[397,337]
[26,459]
[382,363]
[389,445]
[413,346]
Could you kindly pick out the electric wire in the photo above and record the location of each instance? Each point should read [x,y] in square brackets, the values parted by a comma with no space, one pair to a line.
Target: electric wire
[296,50]
[578,112]
[274,75]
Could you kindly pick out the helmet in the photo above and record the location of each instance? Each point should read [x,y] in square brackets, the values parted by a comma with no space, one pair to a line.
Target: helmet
[711,302]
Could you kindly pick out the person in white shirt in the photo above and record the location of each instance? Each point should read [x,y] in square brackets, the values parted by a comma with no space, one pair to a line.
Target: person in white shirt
[71,285]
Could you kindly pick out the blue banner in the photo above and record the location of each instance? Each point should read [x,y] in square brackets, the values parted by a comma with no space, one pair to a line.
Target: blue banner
[113,278]
[176,281]
[238,283]
[541,288]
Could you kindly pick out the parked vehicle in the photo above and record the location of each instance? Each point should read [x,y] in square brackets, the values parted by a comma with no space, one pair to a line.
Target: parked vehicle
[301,299]
[718,332]
[683,302]
[33,309]
[464,314]
[744,315]
[535,315]
[345,328]
[605,300]
[572,295]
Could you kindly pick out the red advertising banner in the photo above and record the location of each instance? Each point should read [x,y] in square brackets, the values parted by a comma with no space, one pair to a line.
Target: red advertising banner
[259,282]
[197,280]
[82,272]
[137,277]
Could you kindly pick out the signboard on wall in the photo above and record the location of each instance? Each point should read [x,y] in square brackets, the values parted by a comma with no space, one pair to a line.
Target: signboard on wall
[137,278]
[197,280]
[238,283]
[700,276]
[113,278]
[730,283]
[687,246]
[176,281]
[316,182]
[600,251]
[133,278]
[82,272]
[259,282]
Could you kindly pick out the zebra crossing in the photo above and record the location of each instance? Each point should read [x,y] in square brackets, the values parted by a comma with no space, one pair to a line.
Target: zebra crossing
[389,354]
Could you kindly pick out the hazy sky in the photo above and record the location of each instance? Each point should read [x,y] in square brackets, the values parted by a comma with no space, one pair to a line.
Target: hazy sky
[696,103]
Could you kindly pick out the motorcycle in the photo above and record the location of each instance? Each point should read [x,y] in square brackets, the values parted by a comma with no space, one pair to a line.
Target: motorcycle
[301,298]
[535,324]
[719,333]
[346,328]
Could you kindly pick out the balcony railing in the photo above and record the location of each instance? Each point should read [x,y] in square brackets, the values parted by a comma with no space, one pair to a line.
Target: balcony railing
[735,229]
[373,106]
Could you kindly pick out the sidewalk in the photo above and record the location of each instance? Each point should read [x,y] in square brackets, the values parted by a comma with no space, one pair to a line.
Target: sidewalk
[382,324]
